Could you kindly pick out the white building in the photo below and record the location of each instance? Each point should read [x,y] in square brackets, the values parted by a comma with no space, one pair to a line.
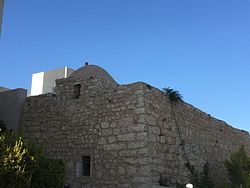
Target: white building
[44,82]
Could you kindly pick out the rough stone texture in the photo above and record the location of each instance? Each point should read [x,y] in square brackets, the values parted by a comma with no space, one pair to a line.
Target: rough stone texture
[93,71]
[188,135]
[133,134]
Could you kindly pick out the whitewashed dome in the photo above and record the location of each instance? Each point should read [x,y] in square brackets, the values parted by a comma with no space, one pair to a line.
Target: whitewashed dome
[92,71]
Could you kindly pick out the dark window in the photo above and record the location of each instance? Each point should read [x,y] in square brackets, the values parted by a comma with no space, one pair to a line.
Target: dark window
[86,165]
[77,91]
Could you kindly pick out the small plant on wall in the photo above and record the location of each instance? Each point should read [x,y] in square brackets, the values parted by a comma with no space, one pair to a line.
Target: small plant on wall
[173,95]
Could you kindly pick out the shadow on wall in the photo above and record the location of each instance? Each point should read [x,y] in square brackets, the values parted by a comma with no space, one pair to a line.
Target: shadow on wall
[11,107]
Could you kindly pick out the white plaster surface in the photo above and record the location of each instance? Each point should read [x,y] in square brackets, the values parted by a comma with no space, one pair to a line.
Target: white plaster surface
[37,83]
[44,82]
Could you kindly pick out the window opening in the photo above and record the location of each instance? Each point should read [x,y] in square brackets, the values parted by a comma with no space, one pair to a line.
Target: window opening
[86,165]
[77,91]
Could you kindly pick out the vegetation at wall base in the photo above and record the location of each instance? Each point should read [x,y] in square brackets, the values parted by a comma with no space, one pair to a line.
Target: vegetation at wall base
[164,181]
[21,161]
[238,168]
[50,174]
[203,179]
[2,127]
[173,95]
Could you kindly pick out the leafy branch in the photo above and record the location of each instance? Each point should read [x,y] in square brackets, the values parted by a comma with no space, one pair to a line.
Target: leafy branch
[173,95]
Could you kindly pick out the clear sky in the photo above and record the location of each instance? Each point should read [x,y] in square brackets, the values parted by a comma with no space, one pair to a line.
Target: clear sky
[199,47]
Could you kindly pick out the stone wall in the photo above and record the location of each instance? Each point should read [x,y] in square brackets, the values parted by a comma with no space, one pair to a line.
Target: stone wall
[133,134]
[106,123]
[183,134]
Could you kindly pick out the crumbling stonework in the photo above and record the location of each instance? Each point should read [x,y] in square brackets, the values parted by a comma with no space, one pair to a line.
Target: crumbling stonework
[197,137]
[132,133]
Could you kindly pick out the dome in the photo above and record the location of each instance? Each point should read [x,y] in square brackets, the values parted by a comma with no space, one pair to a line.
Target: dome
[93,71]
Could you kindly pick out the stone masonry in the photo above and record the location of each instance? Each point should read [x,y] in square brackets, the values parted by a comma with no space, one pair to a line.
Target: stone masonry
[132,133]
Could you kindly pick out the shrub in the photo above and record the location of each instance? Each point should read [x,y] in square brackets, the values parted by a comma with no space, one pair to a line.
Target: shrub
[164,181]
[180,185]
[2,127]
[50,174]
[200,180]
[16,162]
[23,165]
[205,179]
[238,169]
[173,95]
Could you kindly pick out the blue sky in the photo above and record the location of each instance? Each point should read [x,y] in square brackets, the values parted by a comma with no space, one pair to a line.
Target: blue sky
[201,48]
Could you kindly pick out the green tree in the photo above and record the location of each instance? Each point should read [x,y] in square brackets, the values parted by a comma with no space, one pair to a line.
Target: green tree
[205,179]
[23,165]
[50,174]
[200,179]
[16,162]
[238,168]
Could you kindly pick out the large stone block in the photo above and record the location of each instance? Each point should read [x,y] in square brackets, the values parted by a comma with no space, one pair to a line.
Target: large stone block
[126,137]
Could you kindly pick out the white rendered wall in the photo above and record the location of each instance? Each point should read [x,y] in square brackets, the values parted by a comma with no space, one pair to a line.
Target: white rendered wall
[68,72]
[37,83]
[49,81]
[45,82]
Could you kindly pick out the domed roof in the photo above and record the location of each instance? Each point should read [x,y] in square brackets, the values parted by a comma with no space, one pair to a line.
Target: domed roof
[93,71]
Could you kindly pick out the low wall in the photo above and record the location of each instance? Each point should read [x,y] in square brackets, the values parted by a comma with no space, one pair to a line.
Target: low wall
[11,107]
